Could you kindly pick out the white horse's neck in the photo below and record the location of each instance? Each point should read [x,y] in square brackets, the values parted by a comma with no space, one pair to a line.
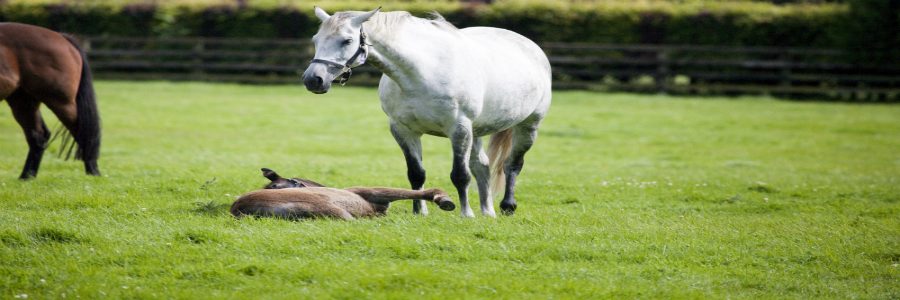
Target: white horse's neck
[406,48]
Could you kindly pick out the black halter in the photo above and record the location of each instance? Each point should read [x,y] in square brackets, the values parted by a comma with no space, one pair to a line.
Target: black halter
[346,68]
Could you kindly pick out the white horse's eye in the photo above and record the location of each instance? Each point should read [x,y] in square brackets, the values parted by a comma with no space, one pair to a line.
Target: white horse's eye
[347,42]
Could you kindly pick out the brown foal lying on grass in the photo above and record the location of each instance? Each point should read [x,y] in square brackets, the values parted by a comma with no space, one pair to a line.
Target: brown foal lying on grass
[298,198]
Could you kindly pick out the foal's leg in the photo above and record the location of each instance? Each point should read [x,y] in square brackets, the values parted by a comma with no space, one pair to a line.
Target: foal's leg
[26,111]
[385,196]
[411,144]
[523,137]
[461,140]
[479,164]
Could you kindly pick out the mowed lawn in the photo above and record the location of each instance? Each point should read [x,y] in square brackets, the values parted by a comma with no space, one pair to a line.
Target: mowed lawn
[622,196]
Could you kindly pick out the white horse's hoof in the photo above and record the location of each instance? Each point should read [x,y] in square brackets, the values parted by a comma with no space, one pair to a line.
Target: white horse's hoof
[423,210]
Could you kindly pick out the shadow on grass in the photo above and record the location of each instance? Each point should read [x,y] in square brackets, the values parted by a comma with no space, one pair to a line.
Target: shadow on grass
[196,237]
[52,235]
[210,208]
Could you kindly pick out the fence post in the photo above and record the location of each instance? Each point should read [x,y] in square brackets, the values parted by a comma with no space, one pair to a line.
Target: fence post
[661,77]
[197,61]
[785,72]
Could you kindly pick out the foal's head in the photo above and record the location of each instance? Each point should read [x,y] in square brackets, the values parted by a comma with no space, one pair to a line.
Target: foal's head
[338,48]
[279,182]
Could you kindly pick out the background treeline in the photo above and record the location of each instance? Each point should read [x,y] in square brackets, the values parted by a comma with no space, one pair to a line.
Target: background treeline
[868,27]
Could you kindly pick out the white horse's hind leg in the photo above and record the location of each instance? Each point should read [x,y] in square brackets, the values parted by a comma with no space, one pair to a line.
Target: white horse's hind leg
[461,140]
[411,144]
[523,138]
[479,164]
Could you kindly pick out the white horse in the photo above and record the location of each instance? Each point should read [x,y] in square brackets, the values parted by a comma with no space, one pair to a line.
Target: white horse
[439,80]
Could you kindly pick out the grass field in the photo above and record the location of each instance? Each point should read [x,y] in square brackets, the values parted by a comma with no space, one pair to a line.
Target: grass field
[623,196]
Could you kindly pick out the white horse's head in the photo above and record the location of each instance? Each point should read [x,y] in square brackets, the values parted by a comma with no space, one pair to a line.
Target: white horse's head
[339,47]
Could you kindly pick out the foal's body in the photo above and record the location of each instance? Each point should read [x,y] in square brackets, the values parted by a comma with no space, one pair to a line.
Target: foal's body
[326,202]
[298,198]
[456,83]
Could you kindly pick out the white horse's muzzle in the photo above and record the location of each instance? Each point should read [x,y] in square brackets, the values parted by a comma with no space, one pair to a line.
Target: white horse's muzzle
[317,78]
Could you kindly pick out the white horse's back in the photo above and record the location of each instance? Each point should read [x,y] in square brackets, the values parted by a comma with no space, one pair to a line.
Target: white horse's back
[516,74]
[495,39]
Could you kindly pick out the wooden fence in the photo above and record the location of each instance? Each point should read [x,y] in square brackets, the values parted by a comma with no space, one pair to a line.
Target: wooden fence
[646,68]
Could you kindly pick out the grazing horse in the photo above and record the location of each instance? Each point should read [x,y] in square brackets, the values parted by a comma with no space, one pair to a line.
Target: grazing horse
[37,66]
[298,198]
[439,80]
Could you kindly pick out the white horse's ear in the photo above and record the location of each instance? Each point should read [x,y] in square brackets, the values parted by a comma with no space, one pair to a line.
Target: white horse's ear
[322,14]
[358,20]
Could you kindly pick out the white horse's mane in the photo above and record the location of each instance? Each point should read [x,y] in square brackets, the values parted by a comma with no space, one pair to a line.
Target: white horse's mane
[386,23]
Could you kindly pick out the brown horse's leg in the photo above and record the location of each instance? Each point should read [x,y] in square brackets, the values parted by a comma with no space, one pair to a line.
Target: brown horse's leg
[87,134]
[67,113]
[26,111]
[387,195]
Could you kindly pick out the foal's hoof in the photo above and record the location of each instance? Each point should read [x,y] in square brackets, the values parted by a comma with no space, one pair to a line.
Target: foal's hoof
[508,209]
[446,204]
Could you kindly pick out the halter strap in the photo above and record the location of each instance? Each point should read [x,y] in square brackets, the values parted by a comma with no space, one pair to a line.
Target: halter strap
[346,68]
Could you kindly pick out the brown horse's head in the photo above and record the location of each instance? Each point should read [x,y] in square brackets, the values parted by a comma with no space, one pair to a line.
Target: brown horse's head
[279,182]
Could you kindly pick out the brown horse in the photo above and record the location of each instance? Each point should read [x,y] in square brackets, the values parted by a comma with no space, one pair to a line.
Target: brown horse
[298,198]
[37,66]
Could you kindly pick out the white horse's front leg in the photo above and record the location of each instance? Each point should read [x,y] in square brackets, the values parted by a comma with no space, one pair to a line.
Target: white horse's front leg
[461,140]
[411,144]
[480,166]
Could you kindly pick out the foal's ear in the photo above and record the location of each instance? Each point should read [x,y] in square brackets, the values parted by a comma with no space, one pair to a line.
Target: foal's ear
[358,20]
[271,175]
[321,14]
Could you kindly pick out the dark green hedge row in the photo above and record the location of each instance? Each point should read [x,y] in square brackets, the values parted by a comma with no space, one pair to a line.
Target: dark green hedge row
[730,25]
[735,24]
[150,20]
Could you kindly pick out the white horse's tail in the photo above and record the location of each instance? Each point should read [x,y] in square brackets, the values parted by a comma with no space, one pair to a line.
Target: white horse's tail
[498,152]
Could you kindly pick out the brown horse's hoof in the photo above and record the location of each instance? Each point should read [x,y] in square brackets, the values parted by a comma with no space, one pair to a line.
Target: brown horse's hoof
[446,204]
[28,174]
[90,168]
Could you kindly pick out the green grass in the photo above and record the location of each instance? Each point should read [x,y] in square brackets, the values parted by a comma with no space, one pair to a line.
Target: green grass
[623,196]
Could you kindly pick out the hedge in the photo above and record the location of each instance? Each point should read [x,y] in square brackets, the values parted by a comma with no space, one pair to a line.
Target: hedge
[824,25]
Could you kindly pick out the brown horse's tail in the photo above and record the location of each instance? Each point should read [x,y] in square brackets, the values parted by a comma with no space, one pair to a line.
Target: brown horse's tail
[498,152]
[87,135]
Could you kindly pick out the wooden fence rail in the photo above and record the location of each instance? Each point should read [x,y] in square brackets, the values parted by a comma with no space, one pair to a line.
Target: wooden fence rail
[648,68]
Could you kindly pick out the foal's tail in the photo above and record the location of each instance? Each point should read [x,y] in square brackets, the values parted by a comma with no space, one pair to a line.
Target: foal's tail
[87,124]
[498,152]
